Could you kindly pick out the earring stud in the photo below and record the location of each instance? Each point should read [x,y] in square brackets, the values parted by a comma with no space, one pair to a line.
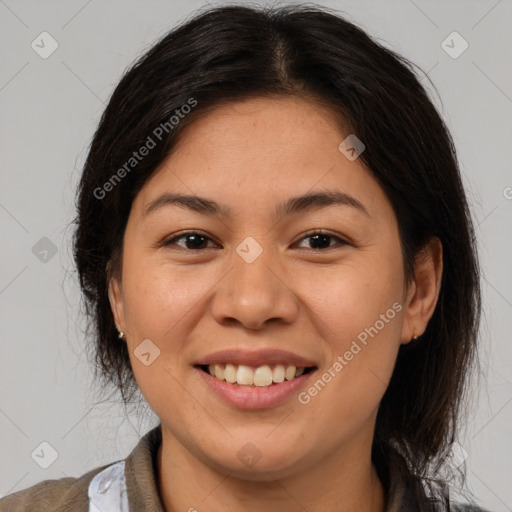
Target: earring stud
[121,333]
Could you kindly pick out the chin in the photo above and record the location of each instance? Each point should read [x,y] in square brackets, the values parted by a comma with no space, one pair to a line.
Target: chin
[259,465]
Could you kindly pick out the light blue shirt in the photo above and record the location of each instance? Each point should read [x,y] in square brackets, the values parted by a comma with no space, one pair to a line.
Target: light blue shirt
[107,490]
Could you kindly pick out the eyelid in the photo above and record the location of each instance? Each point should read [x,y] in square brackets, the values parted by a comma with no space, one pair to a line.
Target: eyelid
[312,232]
[167,240]
[342,240]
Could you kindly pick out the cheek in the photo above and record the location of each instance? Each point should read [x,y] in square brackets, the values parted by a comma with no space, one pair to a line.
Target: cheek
[347,391]
[358,311]
[353,297]
[159,295]
[161,304]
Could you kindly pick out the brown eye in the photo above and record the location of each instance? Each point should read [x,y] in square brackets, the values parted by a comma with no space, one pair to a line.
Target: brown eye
[321,240]
[196,241]
[193,241]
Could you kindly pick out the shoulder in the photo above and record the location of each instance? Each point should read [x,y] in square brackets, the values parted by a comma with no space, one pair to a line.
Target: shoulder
[466,507]
[68,494]
[134,475]
[407,492]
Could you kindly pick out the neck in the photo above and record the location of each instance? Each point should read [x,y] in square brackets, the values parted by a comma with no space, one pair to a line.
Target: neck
[345,481]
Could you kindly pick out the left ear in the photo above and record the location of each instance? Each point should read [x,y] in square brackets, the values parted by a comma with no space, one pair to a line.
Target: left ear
[423,291]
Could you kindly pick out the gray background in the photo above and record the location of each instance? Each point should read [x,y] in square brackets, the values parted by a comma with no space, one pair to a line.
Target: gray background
[49,110]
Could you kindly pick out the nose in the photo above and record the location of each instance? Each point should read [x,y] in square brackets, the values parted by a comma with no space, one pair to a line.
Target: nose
[255,293]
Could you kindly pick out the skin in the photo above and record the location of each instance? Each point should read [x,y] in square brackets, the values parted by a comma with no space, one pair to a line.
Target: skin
[250,156]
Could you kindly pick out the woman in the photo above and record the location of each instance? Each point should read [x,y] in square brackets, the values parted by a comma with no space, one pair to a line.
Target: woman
[287,374]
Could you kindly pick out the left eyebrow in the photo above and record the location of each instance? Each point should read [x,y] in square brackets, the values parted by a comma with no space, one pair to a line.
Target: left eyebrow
[317,200]
[293,205]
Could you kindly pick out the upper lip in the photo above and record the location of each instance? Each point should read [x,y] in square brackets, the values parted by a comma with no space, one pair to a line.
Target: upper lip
[255,358]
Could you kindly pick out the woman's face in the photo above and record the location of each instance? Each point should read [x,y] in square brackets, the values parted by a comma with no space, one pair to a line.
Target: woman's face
[253,284]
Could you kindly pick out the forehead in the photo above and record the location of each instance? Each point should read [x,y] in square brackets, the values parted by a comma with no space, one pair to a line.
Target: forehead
[259,151]
[279,122]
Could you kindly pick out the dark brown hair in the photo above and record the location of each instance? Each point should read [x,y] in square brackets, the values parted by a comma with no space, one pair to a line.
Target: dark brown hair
[231,53]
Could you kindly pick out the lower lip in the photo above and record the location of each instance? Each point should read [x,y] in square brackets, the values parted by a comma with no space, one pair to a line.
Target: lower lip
[248,397]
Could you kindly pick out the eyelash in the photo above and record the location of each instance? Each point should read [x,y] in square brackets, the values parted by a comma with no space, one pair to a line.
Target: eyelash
[308,234]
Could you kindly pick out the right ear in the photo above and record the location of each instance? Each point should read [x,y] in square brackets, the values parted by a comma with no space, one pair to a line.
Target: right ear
[115,296]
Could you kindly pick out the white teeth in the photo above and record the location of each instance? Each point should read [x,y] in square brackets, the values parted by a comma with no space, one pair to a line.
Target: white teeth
[219,372]
[290,372]
[230,373]
[244,375]
[278,373]
[262,376]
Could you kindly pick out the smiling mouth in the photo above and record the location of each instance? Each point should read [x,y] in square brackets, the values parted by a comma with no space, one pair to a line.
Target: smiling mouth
[261,376]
